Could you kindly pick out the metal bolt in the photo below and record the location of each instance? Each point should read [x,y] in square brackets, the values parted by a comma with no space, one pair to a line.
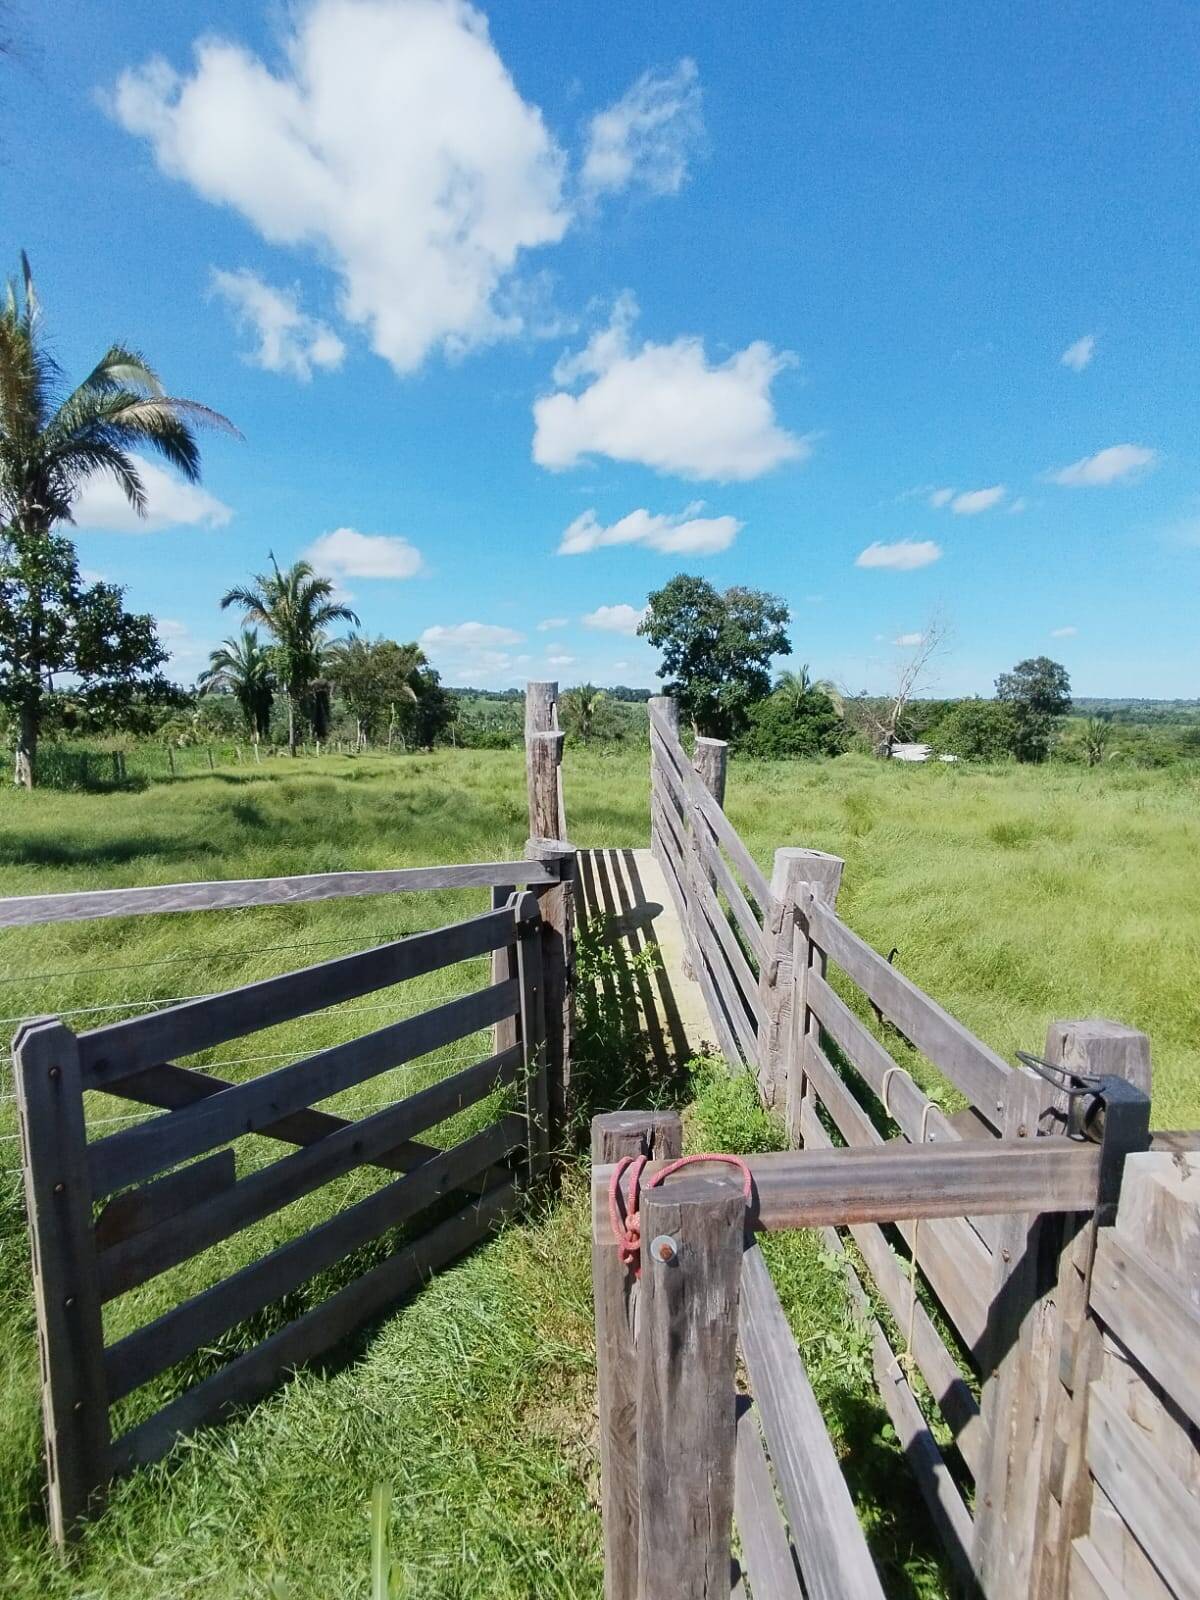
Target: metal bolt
[1021,1131]
[664,1248]
[1006,1255]
[56,1072]
[79,1405]
[60,1188]
[69,1301]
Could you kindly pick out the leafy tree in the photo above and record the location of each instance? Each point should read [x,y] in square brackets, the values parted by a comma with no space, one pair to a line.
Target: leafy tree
[792,724]
[435,711]
[1038,691]
[295,607]
[976,730]
[583,711]
[717,649]
[376,679]
[52,623]
[242,667]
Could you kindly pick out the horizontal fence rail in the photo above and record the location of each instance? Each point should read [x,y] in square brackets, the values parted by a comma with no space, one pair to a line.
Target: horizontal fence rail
[176,1190]
[23,911]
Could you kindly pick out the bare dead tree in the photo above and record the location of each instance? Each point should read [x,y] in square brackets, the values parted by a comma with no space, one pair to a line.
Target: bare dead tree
[880,716]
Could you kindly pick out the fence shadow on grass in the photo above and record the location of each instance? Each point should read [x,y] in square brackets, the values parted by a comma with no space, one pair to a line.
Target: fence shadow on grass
[630,1045]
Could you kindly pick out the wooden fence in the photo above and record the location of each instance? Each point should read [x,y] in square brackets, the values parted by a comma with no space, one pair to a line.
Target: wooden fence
[108,1215]
[970,1324]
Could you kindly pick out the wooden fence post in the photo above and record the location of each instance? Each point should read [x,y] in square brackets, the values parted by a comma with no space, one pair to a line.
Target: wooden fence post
[541,717]
[532,1022]
[710,763]
[658,1134]
[171,760]
[692,1240]
[823,882]
[1063,1495]
[777,982]
[543,753]
[556,902]
[70,1332]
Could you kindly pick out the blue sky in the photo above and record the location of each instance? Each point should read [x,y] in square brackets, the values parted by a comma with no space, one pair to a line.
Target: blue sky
[891,310]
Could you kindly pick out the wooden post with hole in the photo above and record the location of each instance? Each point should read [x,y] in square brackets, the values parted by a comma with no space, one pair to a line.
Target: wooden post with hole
[693,1232]
[659,1135]
[777,981]
[556,903]
[822,879]
[541,717]
[1063,1496]
[70,1333]
[1039,1285]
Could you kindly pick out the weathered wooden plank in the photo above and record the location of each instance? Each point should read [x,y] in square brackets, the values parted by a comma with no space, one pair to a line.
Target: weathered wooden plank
[23,911]
[721,975]
[252,1375]
[532,1023]
[138,1209]
[982,1075]
[355,1144]
[1091,1578]
[952,1259]
[557,909]
[128,1157]
[938,1489]
[833,1554]
[111,1053]
[616,1135]
[770,1560]
[504,965]
[778,985]
[715,864]
[1157,1324]
[938,1367]
[686,1353]
[66,1302]
[158,1345]
[803,1188]
[1160,1512]
[733,952]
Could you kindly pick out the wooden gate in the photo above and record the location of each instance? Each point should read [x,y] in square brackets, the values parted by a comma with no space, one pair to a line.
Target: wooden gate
[110,1214]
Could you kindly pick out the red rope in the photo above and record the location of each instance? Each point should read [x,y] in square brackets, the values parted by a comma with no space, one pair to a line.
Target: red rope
[627,1228]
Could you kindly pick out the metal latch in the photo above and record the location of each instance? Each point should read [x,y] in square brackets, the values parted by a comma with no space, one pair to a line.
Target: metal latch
[1106,1110]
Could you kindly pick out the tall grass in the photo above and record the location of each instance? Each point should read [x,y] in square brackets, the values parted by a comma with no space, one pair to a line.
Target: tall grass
[1015,896]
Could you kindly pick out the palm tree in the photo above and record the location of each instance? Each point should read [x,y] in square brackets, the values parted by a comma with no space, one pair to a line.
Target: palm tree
[581,708]
[295,607]
[793,687]
[50,445]
[243,668]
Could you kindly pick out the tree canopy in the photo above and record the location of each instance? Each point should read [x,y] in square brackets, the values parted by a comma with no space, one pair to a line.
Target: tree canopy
[1038,691]
[717,649]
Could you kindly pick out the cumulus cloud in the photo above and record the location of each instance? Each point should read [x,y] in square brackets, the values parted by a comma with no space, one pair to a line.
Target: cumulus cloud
[907,641]
[905,555]
[547,624]
[1077,355]
[346,553]
[647,136]
[391,142]
[683,533]
[170,503]
[972,501]
[615,619]
[289,340]
[665,406]
[1106,466]
[469,635]
[1063,633]
[560,661]
[941,497]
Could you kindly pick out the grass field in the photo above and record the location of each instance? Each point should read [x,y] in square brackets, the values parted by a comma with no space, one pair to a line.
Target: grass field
[1014,895]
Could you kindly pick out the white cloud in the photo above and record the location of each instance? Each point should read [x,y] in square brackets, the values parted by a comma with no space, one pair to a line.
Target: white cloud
[905,555]
[615,619]
[1063,633]
[560,661]
[665,406]
[346,553]
[289,340]
[682,533]
[941,497]
[1018,505]
[170,503]
[391,142]
[647,135]
[470,635]
[168,629]
[972,501]
[1077,355]
[548,623]
[1106,466]
[907,641]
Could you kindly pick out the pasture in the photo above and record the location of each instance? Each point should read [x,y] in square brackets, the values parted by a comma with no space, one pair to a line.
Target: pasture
[1014,895]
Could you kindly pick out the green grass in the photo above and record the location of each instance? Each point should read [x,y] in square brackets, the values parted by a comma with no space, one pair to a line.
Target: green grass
[1015,896]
